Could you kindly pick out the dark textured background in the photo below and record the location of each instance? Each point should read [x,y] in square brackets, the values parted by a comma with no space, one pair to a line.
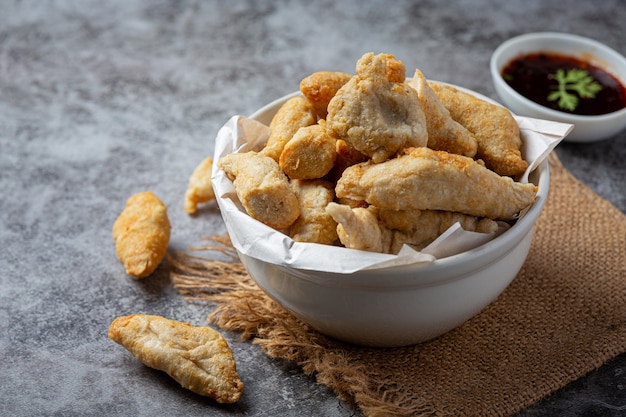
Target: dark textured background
[99,100]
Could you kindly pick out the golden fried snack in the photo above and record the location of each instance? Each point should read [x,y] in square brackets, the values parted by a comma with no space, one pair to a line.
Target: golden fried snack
[263,189]
[351,203]
[412,220]
[494,127]
[314,225]
[320,87]
[141,234]
[200,189]
[374,115]
[295,113]
[395,71]
[198,358]
[386,231]
[444,134]
[421,227]
[425,179]
[358,228]
[310,153]
[346,155]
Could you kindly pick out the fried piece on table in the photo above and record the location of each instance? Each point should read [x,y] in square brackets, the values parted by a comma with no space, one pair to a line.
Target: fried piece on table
[493,126]
[425,179]
[444,133]
[141,234]
[376,116]
[295,113]
[198,358]
[314,225]
[262,188]
[200,189]
[320,87]
[309,154]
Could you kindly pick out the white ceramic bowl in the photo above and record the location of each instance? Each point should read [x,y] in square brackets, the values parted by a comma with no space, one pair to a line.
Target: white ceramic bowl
[586,128]
[402,305]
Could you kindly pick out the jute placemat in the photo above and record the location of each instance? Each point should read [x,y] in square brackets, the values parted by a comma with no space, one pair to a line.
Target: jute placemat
[563,316]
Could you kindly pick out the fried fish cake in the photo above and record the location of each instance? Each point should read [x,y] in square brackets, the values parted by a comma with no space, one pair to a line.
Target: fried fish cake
[376,116]
[358,228]
[200,189]
[198,358]
[346,156]
[320,87]
[444,133]
[494,127]
[314,225]
[262,188]
[425,179]
[295,113]
[436,220]
[309,154]
[386,231]
[141,234]
[419,228]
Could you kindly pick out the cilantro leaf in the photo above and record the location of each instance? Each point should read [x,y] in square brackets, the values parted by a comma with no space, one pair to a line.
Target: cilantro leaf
[577,80]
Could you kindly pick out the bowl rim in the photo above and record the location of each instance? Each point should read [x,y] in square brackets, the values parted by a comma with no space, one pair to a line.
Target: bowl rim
[473,259]
[588,43]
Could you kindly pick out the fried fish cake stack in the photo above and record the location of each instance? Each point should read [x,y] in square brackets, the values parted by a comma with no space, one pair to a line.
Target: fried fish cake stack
[404,160]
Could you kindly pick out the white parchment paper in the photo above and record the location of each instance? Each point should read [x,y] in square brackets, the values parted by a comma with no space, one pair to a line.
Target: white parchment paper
[259,241]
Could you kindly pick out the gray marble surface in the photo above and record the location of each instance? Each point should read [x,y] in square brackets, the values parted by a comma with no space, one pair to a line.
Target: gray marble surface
[99,100]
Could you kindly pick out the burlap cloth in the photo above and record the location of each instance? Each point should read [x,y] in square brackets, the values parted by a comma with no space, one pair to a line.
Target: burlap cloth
[563,316]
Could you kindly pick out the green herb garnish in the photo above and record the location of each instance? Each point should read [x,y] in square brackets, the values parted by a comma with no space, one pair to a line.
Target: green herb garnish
[576,80]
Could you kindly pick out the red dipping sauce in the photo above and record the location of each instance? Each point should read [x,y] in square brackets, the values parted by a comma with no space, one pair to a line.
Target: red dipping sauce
[532,76]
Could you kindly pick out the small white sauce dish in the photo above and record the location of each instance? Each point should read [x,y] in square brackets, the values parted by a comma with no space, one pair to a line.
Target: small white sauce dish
[586,128]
